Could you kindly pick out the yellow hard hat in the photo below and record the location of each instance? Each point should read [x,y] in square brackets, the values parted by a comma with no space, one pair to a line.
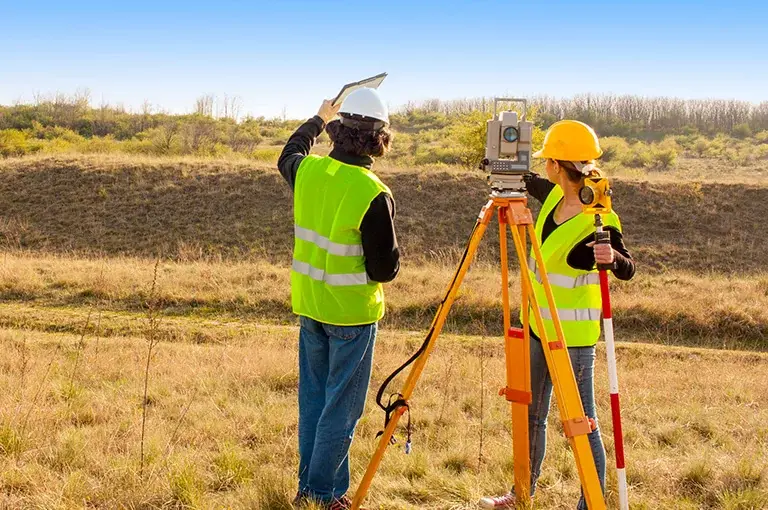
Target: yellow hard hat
[570,140]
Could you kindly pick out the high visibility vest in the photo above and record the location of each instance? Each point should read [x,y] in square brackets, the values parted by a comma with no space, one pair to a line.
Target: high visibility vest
[328,278]
[576,292]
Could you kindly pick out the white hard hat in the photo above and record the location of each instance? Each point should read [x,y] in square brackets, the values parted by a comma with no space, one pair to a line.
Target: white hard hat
[365,102]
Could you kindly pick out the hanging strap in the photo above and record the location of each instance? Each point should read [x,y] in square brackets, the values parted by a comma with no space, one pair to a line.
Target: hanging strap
[400,401]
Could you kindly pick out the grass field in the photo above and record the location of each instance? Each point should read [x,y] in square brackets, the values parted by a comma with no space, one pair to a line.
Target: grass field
[54,293]
[221,428]
[79,240]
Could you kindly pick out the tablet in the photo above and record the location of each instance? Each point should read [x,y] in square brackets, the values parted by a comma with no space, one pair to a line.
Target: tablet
[372,83]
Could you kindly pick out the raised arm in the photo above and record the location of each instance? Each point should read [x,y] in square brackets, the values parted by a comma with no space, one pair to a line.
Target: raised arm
[301,142]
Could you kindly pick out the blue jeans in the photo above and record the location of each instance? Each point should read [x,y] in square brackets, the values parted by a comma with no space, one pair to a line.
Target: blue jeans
[583,362]
[334,372]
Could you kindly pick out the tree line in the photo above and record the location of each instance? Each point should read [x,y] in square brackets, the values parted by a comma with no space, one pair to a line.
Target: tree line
[625,115]
[611,115]
[432,131]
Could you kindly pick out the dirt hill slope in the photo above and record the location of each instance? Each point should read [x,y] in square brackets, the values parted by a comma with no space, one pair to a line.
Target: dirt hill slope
[190,209]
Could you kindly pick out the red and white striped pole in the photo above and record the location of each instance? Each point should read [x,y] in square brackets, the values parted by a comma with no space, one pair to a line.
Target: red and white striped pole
[613,377]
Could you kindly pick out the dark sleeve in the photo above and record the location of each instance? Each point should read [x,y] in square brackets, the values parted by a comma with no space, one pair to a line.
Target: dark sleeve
[582,256]
[298,147]
[382,255]
[538,187]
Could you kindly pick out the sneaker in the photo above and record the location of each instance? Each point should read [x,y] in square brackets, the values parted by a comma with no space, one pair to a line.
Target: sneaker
[508,500]
[343,503]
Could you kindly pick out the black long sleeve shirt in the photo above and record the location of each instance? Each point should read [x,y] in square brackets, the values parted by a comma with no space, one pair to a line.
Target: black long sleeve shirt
[582,256]
[380,249]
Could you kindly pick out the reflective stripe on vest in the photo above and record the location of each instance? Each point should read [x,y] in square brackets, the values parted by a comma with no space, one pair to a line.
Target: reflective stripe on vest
[562,280]
[343,250]
[334,280]
[572,314]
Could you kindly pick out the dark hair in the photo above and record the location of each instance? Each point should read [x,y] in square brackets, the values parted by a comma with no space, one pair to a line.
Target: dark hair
[359,142]
[573,174]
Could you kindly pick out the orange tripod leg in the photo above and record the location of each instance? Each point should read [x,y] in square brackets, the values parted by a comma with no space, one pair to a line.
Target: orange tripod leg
[516,392]
[482,224]
[575,424]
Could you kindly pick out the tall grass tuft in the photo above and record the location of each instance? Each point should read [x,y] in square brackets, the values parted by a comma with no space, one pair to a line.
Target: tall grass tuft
[151,336]
[79,348]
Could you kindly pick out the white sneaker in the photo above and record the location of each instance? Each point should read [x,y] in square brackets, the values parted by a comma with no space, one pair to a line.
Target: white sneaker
[506,501]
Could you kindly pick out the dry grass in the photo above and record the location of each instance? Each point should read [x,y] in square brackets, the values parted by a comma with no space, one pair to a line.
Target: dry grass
[191,209]
[55,293]
[223,426]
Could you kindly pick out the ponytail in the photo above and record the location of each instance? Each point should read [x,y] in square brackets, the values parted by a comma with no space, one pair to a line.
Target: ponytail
[578,170]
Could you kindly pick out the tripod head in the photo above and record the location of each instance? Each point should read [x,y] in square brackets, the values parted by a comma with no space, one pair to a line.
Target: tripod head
[508,149]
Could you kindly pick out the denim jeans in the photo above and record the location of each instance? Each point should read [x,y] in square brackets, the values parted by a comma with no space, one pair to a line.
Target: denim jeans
[583,362]
[334,372]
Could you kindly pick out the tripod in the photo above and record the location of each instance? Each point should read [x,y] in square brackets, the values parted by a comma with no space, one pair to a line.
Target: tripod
[513,212]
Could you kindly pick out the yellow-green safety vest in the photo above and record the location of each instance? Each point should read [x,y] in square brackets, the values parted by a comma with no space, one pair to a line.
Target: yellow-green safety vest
[576,292]
[328,278]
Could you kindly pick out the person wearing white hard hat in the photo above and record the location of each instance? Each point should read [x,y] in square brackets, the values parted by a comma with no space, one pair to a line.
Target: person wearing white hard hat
[345,247]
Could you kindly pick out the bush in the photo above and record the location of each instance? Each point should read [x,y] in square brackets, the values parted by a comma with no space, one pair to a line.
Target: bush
[100,145]
[163,140]
[664,154]
[13,143]
[687,141]
[55,146]
[664,158]
[638,156]
[245,137]
[41,132]
[739,155]
[742,131]
[701,147]
[762,136]
[614,148]
[470,136]
[269,155]
[719,145]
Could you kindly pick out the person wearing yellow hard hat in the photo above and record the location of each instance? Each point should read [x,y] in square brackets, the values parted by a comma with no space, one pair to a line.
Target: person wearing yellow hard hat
[570,256]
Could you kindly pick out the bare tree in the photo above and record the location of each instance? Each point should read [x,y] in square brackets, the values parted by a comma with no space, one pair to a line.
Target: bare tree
[235,108]
[204,105]
[623,115]
[146,108]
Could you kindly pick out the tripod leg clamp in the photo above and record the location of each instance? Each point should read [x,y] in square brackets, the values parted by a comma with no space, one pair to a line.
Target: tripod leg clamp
[516,396]
[579,426]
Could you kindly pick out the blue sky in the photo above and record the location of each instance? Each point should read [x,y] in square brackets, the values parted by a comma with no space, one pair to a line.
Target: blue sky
[291,54]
